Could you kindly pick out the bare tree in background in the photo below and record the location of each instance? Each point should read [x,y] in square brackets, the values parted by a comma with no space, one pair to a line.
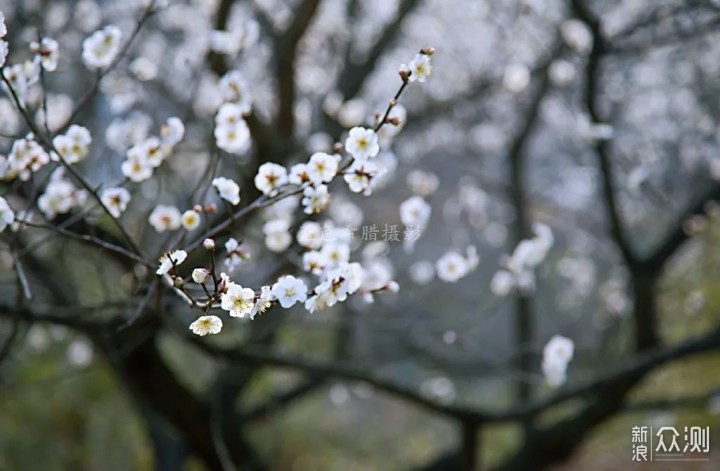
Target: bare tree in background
[596,121]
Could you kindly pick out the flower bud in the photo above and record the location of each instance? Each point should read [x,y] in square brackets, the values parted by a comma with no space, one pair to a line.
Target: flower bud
[209,244]
[428,51]
[393,287]
[178,282]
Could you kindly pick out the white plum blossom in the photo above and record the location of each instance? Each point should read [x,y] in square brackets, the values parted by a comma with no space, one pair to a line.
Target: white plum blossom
[362,143]
[136,170]
[3,26]
[165,218]
[190,220]
[47,51]
[263,302]
[298,174]
[170,260]
[314,262]
[557,354]
[315,199]
[270,178]
[360,175]
[310,235]
[289,290]
[516,78]
[115,200]
[422,183]
[238,301]
[420,68]
[172,132]
[322,167]
[227,189]
[102,47]
[7,216]
[200,275]
[205,325]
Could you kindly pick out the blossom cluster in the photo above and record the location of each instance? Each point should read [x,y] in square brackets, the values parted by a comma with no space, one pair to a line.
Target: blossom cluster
[557,354]
[518,272]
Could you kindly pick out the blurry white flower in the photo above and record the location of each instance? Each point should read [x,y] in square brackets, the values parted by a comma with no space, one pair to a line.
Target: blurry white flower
[101,47]
[3,27]
[115,200]
[190,220]
[451,267]
[270,178]
[277,235]
[168,261]
[136,170]
[422,183]
[422,272]
[310,235]
[165,218]
[47,52]
[227,189]
[576,35]
[415,212]
[561,72]
[502,283]
[362,143]
[556,355]
[74,145]
[3,52]
[289,290]
[234,89]
[7,216]
[206,325]
[516,78]
[172,131]
[231,131]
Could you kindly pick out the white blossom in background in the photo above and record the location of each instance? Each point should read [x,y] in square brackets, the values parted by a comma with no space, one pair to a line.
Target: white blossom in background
[190,220]
[115,200]
[231,131]
[451,267]
[557,354]
[238,38]
[362,143]
[3,26]
[518,271]
[415,211]
[576,35]
[561,72]
[102,47]
[60,196]
[206,325]
[74,145]
[235,254]
[3,52]
[170,260]
[227,189]
[277,235]
[289,290]
[422,183]
[172,132]
[516,78]
[315,199]
[7,216]
[238,301]
[47,52]
[310,235]
[270,178]
[234,89]
[165,218]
